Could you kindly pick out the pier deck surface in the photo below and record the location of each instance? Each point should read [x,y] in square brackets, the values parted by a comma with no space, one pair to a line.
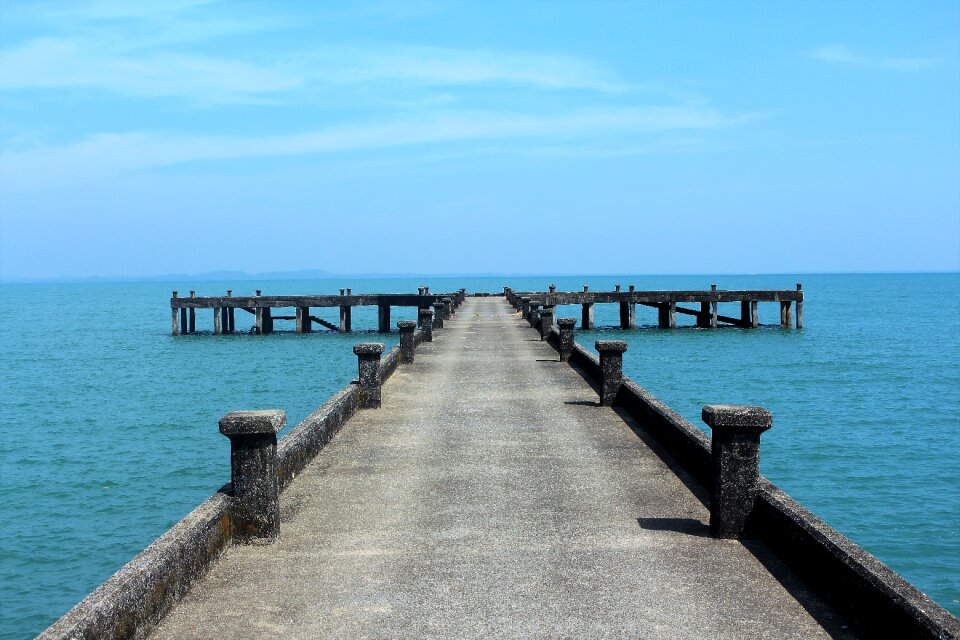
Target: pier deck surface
[491,496]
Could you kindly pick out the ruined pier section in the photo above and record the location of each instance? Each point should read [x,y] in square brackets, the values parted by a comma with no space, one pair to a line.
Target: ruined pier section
[703,304]
[263,309]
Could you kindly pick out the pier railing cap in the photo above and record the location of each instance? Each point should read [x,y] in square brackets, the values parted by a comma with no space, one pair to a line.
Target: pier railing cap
[260,422]
[737,418]
[566,322]
[368,348]
[425,312]
[610,346]
[406,325]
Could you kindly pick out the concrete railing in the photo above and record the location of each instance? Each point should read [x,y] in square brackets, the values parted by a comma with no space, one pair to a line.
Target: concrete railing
[878,600]
[135,598]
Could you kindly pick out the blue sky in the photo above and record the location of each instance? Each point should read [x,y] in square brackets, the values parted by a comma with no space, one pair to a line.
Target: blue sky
[439,137]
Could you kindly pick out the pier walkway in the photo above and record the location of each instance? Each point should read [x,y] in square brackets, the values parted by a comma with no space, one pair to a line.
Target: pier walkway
[492,496]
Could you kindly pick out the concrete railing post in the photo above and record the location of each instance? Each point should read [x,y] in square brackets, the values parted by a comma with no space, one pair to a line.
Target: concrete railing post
[736,464]
[425,316]
[407,346]
[525,308]
[253,472]
[546,322]
[611,369]
[447,308]
[534,318]
[368,358]
[438,315]
[566,337]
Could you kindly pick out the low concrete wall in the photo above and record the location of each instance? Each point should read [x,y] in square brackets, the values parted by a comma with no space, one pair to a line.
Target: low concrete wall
[874,597]
[299,447]
[131,602]
[389,363]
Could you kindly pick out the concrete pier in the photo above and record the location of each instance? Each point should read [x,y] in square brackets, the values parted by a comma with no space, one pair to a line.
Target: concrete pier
[490,496]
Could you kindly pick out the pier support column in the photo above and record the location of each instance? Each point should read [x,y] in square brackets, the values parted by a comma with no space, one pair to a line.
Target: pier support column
[216,321]
[304,324]
[193,315]
[745,313]
[703,318]
[264,319]
[407,346]
[228,323]
[534,318]
[447,308]
[224,320]
[663,315]
[736,464]
[586,317]
[524,307]
[383,318]
[672,314]
[346,320]
[253,470]
[785,317]
[425,318]
[566,337]
[438,315]
[175,329]
[183,321]
[800,307]
[368,358]
[628,315]
[713,308]
[546,322]
[611,369]
[754,314]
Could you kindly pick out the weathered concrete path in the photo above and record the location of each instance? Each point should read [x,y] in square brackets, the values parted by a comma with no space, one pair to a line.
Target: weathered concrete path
[491,496]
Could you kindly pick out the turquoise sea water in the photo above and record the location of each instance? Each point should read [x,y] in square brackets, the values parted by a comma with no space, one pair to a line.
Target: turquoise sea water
[109,424]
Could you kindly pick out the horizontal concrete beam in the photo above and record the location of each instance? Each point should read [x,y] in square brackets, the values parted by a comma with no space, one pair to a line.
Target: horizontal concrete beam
[274,302]
[653,297]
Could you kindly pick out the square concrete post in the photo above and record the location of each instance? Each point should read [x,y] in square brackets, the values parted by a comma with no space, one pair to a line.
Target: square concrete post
[216,321]
[736,464]
[525,307]
[713,307]
[745,313]
[586,318]
[438,315]
[628,315]
[253,470]
[785,317]
[566,337]
[800,308]
[303,320]
[425,316]
[383,318]
[534,318]
[224,320]
[346,318]
[447,308]
[368,359]
[663,315]
[703,318]
[407,346]
[175,330]
[754,314]
[611,369]
[230,315]
[193,315]
[672,314]
[183,321]
[546,322]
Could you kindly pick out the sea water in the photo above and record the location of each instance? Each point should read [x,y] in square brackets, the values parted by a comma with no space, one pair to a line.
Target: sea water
[109,423]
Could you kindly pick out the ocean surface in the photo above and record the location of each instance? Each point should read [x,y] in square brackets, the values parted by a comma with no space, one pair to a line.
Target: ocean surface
[109,424]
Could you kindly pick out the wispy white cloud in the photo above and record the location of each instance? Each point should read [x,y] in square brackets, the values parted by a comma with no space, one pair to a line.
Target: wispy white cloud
[106,155]
[842,54]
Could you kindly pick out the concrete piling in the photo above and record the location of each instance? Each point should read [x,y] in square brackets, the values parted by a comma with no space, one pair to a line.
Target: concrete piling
[425,317]
[800,308]
[611,369]
[566,337]
[586,317]
[438,315]
[447,308]
[253,470]
[735,446]
[383,318]
[175,329]
[407,346]
[546,322]
[368,360]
